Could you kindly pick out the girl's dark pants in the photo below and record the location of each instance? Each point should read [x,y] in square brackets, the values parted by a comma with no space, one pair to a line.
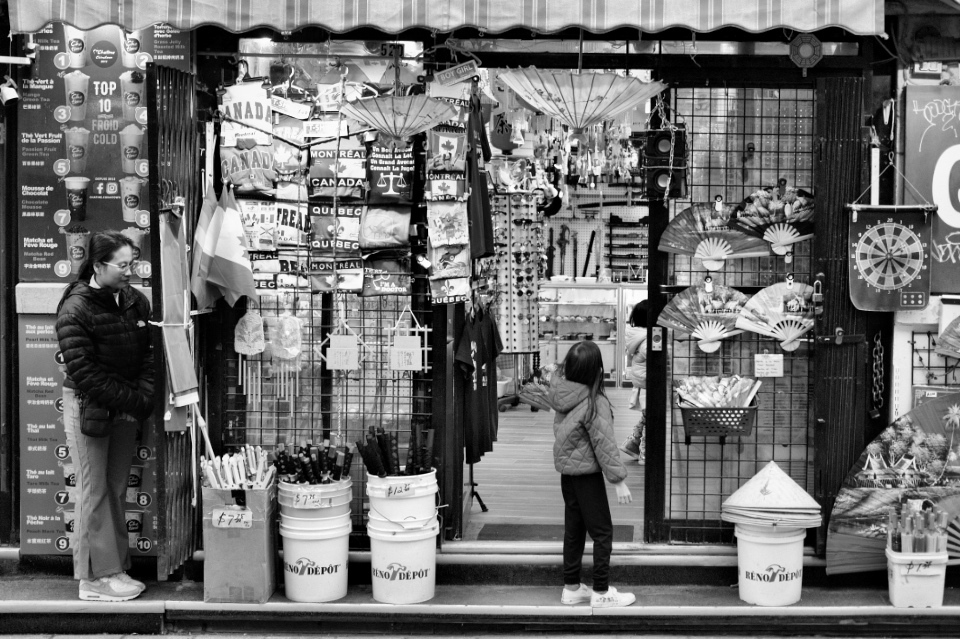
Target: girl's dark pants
[586,511]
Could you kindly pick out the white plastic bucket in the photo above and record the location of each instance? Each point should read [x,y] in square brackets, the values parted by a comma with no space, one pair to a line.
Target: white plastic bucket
[315,563]
[770,564]
[915,580]
[303,523]
[403,564]
[401,496]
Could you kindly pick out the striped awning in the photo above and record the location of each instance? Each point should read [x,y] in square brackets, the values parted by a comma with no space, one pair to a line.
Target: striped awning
[863,17]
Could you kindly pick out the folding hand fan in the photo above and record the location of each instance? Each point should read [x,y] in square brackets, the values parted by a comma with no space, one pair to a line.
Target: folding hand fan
[399,117]
[248,340]
[781,216]
[783,311]
[579,100]
[703,231]
[708,312]
[916,458]
[948,343]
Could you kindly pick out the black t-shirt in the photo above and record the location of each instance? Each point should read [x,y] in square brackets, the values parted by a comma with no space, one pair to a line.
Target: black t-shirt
[494,346]
[470,360]
[478,206]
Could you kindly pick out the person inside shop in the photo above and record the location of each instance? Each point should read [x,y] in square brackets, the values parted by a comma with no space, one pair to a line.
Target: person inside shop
[636,355]
[584,452]
[108,390]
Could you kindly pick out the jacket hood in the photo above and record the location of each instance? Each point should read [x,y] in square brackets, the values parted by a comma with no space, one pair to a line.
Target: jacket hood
[565,395]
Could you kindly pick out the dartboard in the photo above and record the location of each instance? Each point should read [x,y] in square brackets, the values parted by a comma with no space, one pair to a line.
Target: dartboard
[889,254]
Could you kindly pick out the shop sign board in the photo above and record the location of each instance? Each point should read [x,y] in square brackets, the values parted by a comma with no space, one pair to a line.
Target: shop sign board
[932,169]
[82,143]
[48,490]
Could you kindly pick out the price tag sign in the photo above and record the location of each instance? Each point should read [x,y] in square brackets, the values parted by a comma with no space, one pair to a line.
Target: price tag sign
[324,129]
[406,354]
[310,500]
[766,365]
[232,517]
[343,353]
[298,110]
[399,490]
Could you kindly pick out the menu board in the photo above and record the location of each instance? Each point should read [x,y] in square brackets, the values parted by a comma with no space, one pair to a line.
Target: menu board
[48,489]
[83,146]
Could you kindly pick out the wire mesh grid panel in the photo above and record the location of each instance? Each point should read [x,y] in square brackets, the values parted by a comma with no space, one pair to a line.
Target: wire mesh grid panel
[276,402]
[929,368]
[740,140]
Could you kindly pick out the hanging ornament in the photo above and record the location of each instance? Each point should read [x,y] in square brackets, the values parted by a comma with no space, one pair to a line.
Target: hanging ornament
[287,346]
[407,343]
[249,341]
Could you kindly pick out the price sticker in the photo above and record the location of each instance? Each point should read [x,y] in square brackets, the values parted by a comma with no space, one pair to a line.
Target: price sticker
[399,490]
[768,365]
[310,500]
[232,518]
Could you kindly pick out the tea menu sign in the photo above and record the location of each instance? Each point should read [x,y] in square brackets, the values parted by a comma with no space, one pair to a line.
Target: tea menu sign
[82,143]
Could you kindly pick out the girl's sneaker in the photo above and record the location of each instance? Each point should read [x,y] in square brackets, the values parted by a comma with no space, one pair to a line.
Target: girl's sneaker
[630,448]
[579,596]
[611,599]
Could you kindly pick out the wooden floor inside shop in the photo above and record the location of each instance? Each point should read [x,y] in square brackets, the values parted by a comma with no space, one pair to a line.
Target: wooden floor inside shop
[521,489]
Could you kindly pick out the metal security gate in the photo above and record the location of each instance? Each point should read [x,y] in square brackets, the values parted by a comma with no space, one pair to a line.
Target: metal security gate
[740,139]
[174,174]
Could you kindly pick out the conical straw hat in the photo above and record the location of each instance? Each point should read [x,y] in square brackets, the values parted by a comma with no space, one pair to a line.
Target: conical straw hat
[772,489]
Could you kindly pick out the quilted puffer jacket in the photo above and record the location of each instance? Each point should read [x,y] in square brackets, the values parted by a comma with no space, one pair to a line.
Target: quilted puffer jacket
[580,448]
[106,348]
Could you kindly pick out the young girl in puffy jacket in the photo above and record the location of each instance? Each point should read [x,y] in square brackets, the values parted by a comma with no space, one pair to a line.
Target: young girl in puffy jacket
[584,452]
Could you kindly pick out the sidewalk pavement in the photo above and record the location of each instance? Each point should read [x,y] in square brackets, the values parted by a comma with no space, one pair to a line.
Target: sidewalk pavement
[49,605]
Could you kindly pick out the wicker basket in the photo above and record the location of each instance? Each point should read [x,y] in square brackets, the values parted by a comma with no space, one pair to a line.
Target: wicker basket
[719,422]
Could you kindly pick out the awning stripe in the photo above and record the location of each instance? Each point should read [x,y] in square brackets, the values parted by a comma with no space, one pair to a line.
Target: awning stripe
[862,17]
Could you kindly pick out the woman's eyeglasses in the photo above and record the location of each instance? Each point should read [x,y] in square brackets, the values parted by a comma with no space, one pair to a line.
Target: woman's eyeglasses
[132,266]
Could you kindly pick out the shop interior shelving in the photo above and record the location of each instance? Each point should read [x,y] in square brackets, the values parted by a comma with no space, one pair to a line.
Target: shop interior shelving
[628,251]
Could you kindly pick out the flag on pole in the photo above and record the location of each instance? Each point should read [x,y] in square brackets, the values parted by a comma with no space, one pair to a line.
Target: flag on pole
[205,292]
[229,264]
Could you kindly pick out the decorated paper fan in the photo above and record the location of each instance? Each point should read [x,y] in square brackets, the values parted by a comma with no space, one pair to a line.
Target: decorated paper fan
[948,343]
[399,117]
[707,312]
[916,458]
[783,311]
[703,231]
[781,216]
[579,100]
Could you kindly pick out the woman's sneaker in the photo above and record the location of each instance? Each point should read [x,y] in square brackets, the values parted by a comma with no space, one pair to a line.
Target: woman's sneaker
[579,596]
[630,448]
[130,581]
[107,589]
[611,599]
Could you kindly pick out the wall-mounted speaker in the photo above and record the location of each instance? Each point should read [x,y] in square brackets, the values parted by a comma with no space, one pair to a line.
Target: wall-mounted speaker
[658,180]
[665,163]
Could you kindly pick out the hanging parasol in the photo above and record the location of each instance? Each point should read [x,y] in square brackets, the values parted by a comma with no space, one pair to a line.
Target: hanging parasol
[579,100]
[915,458]
[397,118]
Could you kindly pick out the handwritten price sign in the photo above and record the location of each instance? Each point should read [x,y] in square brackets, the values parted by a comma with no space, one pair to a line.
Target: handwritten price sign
[232,518]
[399,491]
[310,500]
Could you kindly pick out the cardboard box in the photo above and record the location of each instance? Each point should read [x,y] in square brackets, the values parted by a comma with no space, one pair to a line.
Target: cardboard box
[239,544]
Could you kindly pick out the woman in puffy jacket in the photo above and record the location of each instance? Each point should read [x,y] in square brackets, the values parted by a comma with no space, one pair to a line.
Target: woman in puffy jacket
[636,354]
[105,345]
[584,452]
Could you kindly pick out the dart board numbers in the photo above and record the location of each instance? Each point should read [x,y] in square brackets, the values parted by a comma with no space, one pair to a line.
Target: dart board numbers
[889,256]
